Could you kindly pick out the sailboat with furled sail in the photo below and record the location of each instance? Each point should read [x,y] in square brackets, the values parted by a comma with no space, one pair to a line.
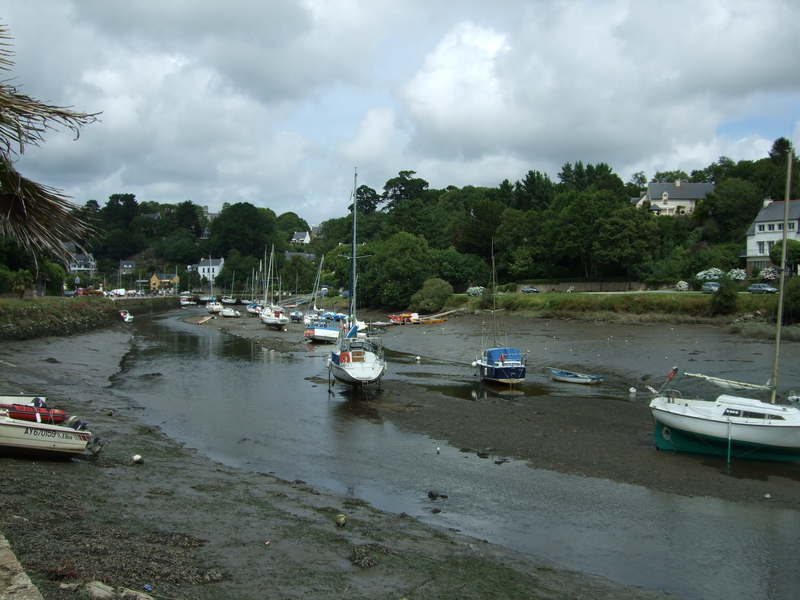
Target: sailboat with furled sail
[497,362]
[272,315]
[732,426]
[358,359]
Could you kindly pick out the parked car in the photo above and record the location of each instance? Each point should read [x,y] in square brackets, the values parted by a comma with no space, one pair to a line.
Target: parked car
[529,290]
[762,288]
[709,287]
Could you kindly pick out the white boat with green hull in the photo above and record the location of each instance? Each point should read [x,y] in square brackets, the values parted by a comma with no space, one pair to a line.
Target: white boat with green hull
[732,426]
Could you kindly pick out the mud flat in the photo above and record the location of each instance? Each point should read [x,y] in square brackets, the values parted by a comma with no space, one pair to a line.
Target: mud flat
[188,527]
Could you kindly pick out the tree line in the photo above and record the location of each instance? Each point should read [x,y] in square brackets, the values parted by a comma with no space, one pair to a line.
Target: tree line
[583,225]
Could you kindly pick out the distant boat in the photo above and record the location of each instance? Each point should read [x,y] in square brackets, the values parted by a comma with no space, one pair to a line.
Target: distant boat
[573,377]
[227,311]
[272,315]
[126,316]
[214,307]
[322,330]
[497,362]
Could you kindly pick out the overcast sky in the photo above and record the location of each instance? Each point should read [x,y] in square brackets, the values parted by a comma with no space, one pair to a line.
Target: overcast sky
[275,102]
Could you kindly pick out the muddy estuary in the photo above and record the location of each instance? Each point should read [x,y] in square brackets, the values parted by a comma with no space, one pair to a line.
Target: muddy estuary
[273,412]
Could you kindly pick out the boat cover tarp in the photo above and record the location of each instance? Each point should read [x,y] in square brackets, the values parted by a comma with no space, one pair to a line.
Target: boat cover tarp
[503,354]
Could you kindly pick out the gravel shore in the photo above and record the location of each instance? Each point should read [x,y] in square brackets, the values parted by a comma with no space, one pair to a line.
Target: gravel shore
[187,527]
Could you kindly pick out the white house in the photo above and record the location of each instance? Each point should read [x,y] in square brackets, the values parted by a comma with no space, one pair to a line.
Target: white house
[678,198]
[767,230]
[301,238]
[208,268]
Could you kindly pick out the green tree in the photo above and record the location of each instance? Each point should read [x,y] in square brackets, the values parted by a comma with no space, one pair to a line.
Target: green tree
[724,301]
[669,176]
[402,188]
[432,296]
[792,255]
[535,191]
[245,228]
[289,222]
[624,239]
[180,247]
[21,282]
[397,268]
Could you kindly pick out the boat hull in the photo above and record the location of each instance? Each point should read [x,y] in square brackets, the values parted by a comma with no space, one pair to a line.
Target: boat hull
[570,377]
[508,375]
[321,334]
[24,438]
[357,362]
[501,365]
[743,428]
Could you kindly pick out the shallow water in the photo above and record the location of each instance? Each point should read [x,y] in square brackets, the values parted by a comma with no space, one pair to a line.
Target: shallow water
[272,412]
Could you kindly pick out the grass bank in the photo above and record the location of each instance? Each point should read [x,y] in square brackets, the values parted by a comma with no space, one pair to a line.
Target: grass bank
[30,318]
[754,316]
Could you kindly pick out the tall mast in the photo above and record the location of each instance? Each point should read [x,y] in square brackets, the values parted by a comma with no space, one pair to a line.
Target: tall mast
[352,305]
[782,271]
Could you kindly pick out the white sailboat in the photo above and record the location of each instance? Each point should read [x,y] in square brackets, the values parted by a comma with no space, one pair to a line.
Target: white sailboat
[272,315]
[358,359]
[732,426]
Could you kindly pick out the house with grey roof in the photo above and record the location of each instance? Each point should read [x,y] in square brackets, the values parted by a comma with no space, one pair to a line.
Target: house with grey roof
[673,199]
[208,268]
[300,238]
[767,230]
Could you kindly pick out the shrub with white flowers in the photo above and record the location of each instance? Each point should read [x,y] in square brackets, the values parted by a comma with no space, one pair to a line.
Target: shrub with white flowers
[737,274]
[682,286]
[713,274]
[770,273]
[475,291]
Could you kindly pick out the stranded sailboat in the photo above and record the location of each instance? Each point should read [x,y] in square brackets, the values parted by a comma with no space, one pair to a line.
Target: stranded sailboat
[497,362]
[357,359]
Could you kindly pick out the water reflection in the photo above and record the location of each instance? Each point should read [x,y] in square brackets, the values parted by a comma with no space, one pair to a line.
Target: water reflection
[273,412]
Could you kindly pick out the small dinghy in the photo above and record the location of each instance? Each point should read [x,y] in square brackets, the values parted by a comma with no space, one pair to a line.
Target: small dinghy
[36,410]
[573,377]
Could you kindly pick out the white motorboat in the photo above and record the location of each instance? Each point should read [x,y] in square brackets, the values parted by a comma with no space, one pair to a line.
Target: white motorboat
[26,436]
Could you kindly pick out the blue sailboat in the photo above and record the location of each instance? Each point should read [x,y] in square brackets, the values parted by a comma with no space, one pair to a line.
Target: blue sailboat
[497,362]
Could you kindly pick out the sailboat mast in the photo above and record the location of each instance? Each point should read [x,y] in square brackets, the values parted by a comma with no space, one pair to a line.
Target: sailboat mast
[351,311]
[782,271]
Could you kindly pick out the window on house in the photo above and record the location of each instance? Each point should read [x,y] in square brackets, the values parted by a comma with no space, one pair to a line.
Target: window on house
[761,228]
[771,227]
[761,247]
[780,226]
[791,226]
[769,246]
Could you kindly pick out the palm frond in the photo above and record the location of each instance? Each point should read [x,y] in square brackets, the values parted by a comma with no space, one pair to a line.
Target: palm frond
[35,215]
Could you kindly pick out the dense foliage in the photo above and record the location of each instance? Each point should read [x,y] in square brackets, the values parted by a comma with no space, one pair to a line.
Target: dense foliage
[584,225]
